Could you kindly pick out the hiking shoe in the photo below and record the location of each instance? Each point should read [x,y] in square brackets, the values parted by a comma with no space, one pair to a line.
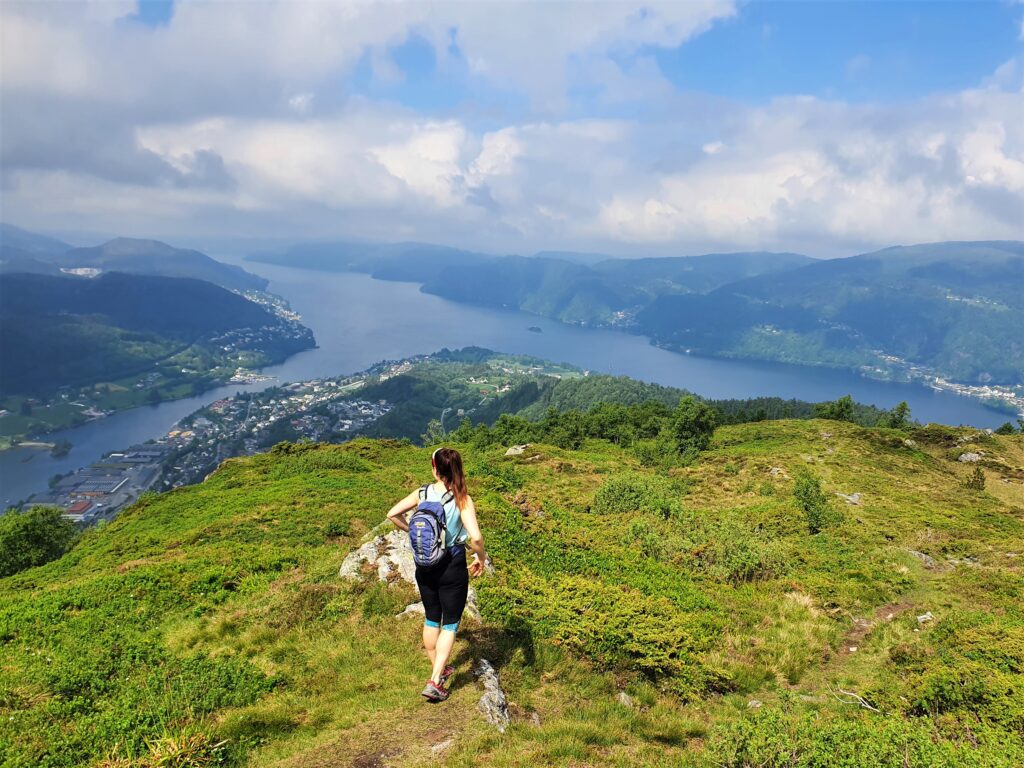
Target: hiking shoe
[447,675]
[434,692]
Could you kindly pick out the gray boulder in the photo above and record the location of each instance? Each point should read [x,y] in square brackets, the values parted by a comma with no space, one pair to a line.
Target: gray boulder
[390,554]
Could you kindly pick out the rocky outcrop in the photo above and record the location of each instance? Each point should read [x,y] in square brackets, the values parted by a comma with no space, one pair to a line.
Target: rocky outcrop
[851,498]
[493,703]
[969,457]
[389,554]
[928,560]
[517,450]
[412,609]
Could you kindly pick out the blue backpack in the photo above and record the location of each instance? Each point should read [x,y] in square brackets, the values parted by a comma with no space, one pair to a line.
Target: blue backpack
[427,529]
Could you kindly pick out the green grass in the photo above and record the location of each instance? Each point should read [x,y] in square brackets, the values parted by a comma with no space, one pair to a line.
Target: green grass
[209,623]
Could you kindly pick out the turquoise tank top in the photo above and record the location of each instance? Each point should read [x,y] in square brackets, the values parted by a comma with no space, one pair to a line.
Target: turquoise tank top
[455,531]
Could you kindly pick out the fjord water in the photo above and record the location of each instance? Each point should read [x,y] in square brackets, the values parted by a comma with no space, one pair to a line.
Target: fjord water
[359,321]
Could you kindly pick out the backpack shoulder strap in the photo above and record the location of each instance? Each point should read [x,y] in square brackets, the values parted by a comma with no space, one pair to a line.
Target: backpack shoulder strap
[450,497]
[423,492]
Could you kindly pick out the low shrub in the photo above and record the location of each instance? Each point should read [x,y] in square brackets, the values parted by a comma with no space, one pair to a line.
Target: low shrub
[380,600]
[502,477]
[735,554]
[338,527]
[635,493]
[33,537]
[614,626]
[811,500]
[775,739]
[311,458]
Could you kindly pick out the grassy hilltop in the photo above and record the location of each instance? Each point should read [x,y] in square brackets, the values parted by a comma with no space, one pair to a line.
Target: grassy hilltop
[209,626]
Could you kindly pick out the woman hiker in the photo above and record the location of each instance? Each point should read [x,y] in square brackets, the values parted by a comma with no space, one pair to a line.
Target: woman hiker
[443,584]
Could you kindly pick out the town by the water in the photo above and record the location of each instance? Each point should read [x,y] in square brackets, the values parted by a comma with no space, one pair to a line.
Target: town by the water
[244,424]
[321,410]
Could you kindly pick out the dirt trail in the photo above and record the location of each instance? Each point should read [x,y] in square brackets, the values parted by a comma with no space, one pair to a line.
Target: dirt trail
[854,638]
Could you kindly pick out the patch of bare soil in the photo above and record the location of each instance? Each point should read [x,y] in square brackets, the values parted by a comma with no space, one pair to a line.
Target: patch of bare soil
[857,634]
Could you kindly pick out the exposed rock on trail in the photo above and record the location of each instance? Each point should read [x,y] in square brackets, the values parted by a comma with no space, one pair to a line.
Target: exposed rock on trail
[412,609]
[493,703]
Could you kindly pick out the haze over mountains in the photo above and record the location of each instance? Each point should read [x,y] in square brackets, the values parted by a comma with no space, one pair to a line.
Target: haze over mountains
[23,251]
[952,309]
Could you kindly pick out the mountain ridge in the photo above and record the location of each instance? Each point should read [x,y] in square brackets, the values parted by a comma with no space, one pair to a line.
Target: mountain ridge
[24,251]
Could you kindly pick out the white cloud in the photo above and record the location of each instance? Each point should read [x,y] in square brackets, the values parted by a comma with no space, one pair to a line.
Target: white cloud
[426,159]
[301,102]
[234,122]
[803,168]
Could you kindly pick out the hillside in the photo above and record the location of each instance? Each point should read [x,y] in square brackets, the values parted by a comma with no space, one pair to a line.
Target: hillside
[684,617]
[467,394]
[954,308]
[72,332]
[23,251]
[30,242]
[481,385]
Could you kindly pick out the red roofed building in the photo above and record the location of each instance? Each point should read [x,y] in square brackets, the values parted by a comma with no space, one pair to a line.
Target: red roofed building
[79,508]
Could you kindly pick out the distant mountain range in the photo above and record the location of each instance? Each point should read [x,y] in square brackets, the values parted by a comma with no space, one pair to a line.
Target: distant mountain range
[950,309]
[579,288]
[23,251]
[956,308]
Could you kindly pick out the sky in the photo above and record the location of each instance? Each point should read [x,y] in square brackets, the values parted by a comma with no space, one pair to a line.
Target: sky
[634,128]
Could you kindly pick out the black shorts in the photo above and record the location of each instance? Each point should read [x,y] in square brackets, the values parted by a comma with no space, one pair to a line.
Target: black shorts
[443,588]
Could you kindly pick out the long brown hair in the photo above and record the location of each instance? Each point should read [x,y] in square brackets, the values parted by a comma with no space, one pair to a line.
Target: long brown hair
[448,464]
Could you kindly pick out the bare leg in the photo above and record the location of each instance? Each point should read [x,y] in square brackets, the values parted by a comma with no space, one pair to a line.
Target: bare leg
[445,643]
[430,641]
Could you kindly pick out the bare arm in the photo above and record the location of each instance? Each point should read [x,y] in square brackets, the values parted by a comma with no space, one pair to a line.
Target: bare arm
[398,512]
[476,539]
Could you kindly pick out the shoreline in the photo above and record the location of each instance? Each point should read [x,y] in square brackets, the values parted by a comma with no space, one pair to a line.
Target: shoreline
[996,397]
[34,441]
